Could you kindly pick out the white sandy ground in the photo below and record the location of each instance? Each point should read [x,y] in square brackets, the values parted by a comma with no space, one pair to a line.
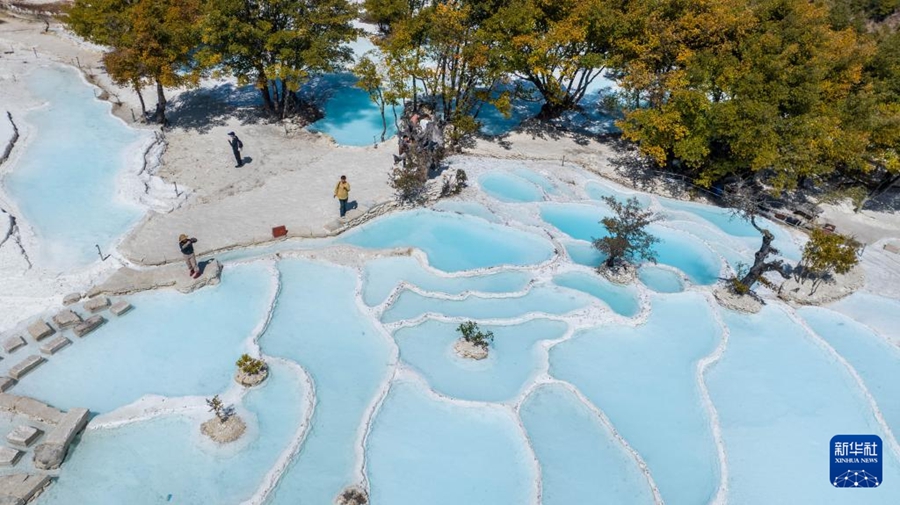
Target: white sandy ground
[288,182]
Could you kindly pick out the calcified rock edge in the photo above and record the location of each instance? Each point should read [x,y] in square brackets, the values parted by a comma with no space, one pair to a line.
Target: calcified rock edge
[251,379]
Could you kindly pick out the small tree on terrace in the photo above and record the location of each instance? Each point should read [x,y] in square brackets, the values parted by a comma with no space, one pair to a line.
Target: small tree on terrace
[628,239]
[826,254]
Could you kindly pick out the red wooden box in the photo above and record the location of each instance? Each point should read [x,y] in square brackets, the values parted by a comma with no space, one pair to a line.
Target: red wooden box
[279,231]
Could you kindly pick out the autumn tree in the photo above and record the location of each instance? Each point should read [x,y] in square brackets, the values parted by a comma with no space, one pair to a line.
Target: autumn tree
[276,44]
[559,46]
[826,254]
[150,41]
[742,87]
[627,240]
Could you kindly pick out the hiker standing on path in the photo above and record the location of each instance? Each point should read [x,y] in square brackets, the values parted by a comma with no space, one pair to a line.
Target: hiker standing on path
[342,193]
[187,249]
[236,146]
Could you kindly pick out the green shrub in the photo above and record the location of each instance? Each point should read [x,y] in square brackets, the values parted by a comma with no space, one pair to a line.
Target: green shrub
[250,366]
[472,333]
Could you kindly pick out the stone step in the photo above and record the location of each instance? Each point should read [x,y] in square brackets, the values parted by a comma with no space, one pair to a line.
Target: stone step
[96,304]
[28,364]
[40,330]
[9,456]
[13,343]
[34,410]
[23,436]
[120,308]
[66,318]
[71,298]
[6,383]
[55,344]
[90,324]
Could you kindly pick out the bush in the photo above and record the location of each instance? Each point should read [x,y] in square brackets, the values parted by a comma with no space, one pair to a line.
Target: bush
[250,366]
[472,333]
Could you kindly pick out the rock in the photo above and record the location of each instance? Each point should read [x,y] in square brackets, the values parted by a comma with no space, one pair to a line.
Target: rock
[29,407]
[892,248]
[11,344]
[624,275]
[66,318]
[23,436]
[224,432]
[9,456]
[19,488]
[51,453]
[741,303]
[96,304]
[250,380]
[26,365]
[839,286]
[120,308]
[352,495]
[55,344]
[40,330]
[90,324]
[469,350]
[6,383]
[71,298]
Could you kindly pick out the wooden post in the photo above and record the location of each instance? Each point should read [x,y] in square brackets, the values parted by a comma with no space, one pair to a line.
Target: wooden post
[78,61]
[35,51]
[133,119]
[176,189]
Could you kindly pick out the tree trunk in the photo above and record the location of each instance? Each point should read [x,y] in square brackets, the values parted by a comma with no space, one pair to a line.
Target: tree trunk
[160,104]
[262,84]
[137,89]
[760,265]
[383,120]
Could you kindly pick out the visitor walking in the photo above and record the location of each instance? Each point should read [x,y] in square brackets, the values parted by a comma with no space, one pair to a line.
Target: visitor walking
[342,193]
[236,146]
[187,249]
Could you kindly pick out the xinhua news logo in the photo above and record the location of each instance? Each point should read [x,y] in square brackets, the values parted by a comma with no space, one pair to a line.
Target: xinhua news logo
[856,461]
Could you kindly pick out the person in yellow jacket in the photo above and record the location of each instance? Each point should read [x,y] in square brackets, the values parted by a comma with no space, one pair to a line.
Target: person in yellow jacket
[342,193]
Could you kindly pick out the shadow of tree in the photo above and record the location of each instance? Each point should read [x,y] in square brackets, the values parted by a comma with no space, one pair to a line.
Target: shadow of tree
[202,109]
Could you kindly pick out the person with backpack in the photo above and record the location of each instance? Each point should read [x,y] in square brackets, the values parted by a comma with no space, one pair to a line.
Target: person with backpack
[187,249]
[236,146]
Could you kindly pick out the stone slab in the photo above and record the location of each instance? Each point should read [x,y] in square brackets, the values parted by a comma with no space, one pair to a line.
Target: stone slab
[55,344]
[23,436]
[120,308]
[6,383]
[66,319]
[96,304]
[29,407]
[40,330]
[50,454]
[26,365]
[88,325]
[22,486]
[13,343]
[71,298]
[9,456]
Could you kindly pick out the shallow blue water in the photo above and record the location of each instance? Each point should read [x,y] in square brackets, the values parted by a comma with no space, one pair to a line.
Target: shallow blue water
[513,358]
[453,242]
[597,191]
[644,380]
[877,312]
[621,299]
[318,325]
[873,357]
[660,280]
[509,188]
[423,450]
[780,399]
[351,117]
[384,274]
[66,180]
[469,208]
[167,459]
[195,356]
[579,456]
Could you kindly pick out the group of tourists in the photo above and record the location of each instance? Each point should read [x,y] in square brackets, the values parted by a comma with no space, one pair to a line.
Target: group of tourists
[422,137]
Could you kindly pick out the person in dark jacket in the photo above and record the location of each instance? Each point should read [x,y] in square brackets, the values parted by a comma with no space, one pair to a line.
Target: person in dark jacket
[236,146]
[187,249]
